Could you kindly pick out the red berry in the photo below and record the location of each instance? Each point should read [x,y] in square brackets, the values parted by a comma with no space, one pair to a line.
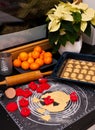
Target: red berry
[12,106]
[41,86]
[42,80]
[46,86]
[48,100]
[27,93]
[73,97]
[23,102]
[39,90]
[19,92]
[25,111]
[33,86]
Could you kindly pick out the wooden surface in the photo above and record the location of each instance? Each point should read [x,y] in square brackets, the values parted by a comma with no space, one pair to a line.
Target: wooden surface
[29,47]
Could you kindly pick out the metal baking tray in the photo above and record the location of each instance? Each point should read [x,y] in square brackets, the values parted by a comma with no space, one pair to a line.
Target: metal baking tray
[76,68]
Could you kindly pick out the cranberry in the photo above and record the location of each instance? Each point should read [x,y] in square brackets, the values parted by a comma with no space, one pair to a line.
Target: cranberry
[12,106]
[25,111]
[19,92]
[23,102]
[33,86]
[27,93]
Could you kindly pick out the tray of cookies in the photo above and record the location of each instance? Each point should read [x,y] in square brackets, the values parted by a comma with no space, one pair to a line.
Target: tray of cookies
[76,68]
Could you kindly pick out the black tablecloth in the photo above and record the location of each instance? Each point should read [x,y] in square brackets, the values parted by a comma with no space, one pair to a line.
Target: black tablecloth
[7,123]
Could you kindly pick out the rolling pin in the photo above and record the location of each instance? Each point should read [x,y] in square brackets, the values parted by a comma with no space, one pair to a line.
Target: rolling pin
[23,78]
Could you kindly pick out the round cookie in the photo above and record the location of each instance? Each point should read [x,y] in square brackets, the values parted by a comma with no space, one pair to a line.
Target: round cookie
[80,76]
[93,78]
[69,69]
[69,65]
[76,70]
[88,77]
[73,75]
[90,64]
[66,74]
[83,63]
[84,71]
[10,93]
[90,72]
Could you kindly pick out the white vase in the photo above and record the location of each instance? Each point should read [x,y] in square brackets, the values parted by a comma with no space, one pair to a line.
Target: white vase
[76,47]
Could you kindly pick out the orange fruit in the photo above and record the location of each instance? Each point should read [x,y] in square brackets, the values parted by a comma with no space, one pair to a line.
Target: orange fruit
[39,61]
[30,60]
[25,65]
[35,54]
[30,54]
[38,48]
[23,56]
[48,60]
[47,54]
[42,54]
[34,66]
[17,63]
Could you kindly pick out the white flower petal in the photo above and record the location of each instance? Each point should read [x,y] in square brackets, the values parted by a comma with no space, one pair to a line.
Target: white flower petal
[82,6]
[83,26]
[93,21]
[88,14]
[54,26]
[67,17]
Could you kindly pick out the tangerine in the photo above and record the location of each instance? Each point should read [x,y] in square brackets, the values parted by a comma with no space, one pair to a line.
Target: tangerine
[17,63]
[42,54]
[23,56]
[30,60]
[34,66]
[39,61]
[38,48]
[30,54]
[35,54]
[47,54]
[48,60]
[25,65]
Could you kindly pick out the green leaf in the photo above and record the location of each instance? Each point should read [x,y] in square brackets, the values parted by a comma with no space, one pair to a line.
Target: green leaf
[62,40]
[53,37]
[55,48]
[77,17]
[72,37]
[67,26]
[77,27]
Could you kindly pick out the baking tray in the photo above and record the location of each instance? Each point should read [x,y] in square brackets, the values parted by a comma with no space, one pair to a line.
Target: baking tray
[84,63]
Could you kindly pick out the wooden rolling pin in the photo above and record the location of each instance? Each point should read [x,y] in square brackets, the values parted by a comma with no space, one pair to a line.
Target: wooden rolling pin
[23,78]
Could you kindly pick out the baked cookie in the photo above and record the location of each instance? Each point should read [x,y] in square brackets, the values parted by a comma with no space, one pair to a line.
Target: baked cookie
[80,76]
[77,66]
[88,77]
[90,72]
[76,70]
[69,69]
[83,71]
[73,75]
[65,74]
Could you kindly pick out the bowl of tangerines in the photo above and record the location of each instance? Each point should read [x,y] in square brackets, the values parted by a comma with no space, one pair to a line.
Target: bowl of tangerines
[38,58]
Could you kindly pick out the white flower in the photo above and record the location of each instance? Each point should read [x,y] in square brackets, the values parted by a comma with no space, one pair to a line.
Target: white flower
[68,20]
[54,25]
[88,14]
[83,26]
[82,6]
[93,21]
